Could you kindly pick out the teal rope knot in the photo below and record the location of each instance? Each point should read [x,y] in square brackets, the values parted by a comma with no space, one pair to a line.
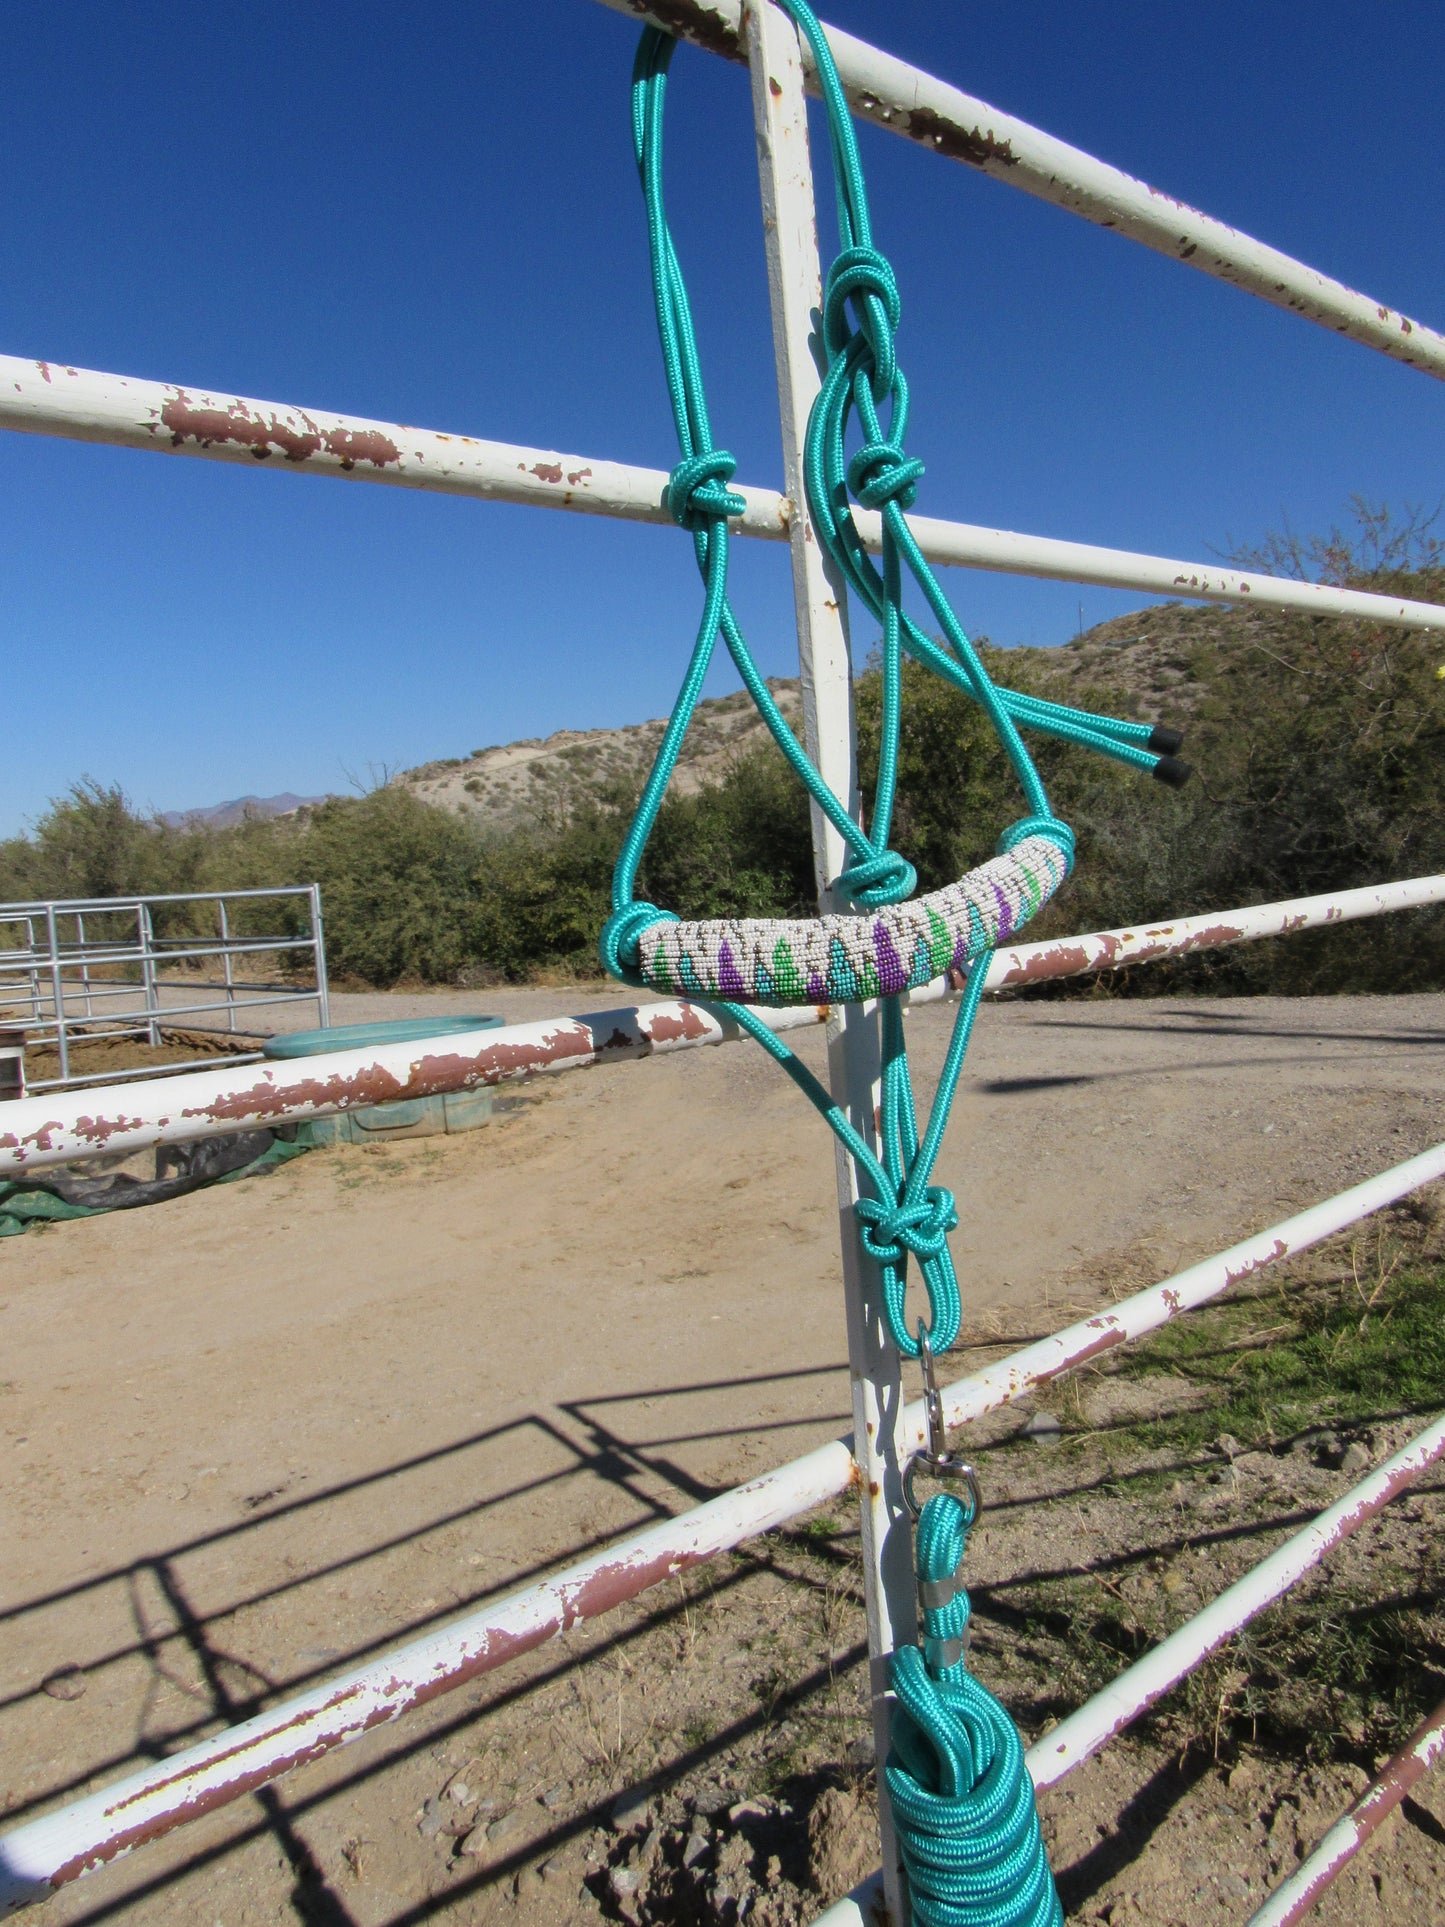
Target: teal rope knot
[920,1225]
[963,1803]
[885,877]
[1056,831]
[618,944]
[697,495]
[880,473]
[912,1219]
[865,277]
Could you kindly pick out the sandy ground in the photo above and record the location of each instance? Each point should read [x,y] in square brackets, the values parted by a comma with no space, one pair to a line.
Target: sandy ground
[263,1430]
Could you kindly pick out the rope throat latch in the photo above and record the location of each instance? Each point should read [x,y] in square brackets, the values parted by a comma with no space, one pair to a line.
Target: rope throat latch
[938,1461]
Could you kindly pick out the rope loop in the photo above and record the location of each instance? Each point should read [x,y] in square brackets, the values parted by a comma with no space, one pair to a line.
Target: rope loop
[697,491]
[1051,827]
[618,944]
[864,277]
[922,1226]
[876,880]
[880,473]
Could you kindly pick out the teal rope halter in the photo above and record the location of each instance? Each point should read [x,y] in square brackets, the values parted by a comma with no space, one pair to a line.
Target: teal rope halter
[961,1797]
[897,944]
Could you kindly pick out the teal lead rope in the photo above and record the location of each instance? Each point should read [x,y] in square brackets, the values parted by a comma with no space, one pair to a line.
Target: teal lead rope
[963,1803]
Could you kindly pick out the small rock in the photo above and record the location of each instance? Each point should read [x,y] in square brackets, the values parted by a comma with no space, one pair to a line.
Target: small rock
[65,1683]
[555,1868]
[1228,1446]
[1243,1776]
[1329,1449]
[430,1823]
[1355,1461]
[624,1881]
[476,1845]
[651,1848]
[697,1848]
[528,1882]
[1233,1886]
[554,1797]
[749,1810]
[631,1810]
[1043,1428]
[461,1793]
[499,1829]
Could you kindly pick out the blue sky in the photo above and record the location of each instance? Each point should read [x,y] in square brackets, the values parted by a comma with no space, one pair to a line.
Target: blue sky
[429,214]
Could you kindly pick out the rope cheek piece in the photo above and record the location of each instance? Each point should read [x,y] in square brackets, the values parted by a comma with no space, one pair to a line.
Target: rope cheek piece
[962,1800]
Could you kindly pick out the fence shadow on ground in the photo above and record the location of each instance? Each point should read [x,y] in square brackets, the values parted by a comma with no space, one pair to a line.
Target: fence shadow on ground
[184,1644]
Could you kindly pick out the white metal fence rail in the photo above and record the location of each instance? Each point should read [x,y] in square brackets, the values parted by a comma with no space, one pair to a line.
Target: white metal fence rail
[79,404]
[45,398]
[57,1130]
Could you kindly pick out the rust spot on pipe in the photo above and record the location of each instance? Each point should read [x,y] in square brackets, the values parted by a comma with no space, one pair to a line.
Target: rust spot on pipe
[691,20]
[544,471]
[969,144]
[264,435]
[672,1030]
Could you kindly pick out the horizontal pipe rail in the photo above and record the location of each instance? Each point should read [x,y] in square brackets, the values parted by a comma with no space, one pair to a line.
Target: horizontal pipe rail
[891,94]
[45,398]
[38,1132]
[1081,1735]
[63,906]
[44,1854]
[1064,1351]
[1295,1897]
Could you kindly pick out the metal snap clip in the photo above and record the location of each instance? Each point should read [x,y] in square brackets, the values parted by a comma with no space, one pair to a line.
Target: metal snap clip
[937,1461]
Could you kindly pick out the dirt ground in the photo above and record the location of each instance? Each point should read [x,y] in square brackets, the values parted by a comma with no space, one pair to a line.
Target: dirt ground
[267,1430]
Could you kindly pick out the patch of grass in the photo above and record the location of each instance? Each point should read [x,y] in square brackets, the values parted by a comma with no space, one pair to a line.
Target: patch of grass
[1366,1339]
[1341,1668]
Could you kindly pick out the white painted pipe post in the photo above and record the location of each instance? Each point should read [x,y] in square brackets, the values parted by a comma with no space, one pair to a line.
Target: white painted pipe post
[795,286]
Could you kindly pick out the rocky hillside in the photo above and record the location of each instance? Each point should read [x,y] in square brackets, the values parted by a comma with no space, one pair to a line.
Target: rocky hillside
[1146,656]
[539,778]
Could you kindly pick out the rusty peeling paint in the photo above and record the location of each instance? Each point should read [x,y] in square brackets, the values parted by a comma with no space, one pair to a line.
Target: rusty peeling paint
[690,20]
[213,424]
[969,144]
[545,471]
[666,1029]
